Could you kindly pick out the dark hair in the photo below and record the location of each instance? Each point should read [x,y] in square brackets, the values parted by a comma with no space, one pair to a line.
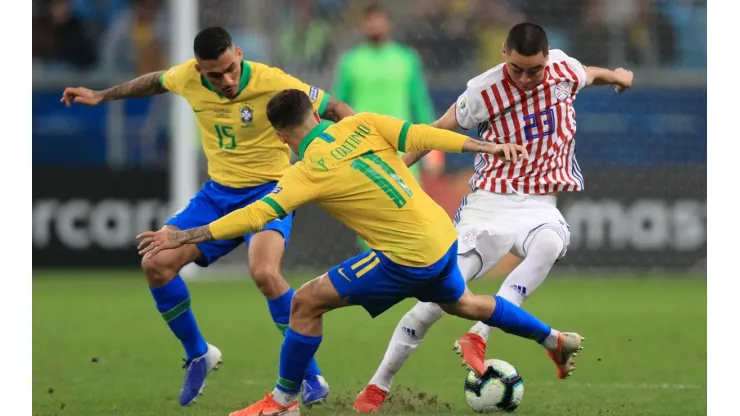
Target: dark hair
[373,9]
[528,39]
[210,43]
[288,109]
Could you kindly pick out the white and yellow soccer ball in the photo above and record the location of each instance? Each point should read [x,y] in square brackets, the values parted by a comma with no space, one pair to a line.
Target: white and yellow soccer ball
[499,389]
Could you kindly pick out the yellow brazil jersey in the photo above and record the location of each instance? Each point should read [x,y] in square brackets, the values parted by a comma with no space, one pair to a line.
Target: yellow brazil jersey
[238,140]
[352,170]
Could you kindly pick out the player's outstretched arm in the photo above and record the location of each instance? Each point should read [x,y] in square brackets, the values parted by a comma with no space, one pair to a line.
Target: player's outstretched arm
[620,77]
[242,221]
[447,122]
[143,86]
[152,242]
[336,110]
[407,137]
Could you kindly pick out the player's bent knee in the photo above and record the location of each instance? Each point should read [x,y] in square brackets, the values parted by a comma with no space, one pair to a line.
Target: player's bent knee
[547,245]
[303,303]
[268,279]
[426,313]
[159,270]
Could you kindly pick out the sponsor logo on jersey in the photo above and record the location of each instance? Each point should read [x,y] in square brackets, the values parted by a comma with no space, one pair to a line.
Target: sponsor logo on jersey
[562,91]
[313,93]
[276,190]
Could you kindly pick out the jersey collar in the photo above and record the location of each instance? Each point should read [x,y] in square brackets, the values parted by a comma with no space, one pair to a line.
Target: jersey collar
[243,80]
[314,133]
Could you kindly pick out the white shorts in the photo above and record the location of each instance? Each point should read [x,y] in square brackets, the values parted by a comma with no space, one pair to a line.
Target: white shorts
[496,224]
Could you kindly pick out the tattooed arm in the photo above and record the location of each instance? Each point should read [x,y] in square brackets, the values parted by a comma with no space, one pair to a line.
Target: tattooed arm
[143,86]
[336,110]
[168,238]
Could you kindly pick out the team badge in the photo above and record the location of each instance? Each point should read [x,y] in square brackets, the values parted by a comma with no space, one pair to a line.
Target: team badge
[462,106]
[246,114]
[562,91]
[469,238]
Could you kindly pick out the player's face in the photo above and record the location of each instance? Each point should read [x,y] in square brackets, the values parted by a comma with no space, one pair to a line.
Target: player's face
[376,26]
[526,71]
[224,73]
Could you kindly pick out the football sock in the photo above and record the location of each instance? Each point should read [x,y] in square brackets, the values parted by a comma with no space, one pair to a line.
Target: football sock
[173,302]
[280,311]
[408,335]
[516,321]
[413,327]
[542,253]
[295,355]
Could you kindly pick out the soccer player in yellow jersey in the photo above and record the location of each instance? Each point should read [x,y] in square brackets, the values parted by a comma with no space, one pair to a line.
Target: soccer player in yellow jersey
[228,95]
[352,170]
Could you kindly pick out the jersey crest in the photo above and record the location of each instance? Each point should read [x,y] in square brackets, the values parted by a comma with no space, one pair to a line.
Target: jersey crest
[562,91]
[246,113]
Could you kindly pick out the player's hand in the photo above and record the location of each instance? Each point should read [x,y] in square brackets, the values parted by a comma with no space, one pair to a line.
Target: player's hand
[152,242]
[81,95]
[623,79]
[510,151]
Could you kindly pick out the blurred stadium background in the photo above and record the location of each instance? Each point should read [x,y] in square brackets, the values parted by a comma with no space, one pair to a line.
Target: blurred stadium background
[102,174]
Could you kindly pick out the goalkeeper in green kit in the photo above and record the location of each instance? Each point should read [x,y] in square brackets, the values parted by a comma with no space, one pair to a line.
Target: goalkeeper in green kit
[381,76]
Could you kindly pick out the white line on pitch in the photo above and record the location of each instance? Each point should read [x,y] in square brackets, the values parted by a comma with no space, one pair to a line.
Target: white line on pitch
[619,385]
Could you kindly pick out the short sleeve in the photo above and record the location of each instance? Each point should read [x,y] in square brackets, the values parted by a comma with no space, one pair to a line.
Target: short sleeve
[470,110]
[319,98]
[579,70]
[573,66]
[175,78]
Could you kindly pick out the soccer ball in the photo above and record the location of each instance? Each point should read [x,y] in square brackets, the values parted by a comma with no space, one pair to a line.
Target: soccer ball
[499,389]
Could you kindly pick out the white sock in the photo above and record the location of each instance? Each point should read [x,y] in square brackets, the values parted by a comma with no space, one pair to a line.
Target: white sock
[409,333]
[413,327]
[283,397]
[542,252]
[551,342]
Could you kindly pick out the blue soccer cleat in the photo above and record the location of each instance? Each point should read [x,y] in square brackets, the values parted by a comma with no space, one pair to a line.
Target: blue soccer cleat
[196,371]
[315,390]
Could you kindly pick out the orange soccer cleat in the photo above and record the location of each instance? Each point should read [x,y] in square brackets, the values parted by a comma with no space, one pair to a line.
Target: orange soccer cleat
[472,348]
[569,343]
[370,399]
[269,406]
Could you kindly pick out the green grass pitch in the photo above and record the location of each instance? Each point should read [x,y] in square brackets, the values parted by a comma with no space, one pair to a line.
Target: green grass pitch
[100,348]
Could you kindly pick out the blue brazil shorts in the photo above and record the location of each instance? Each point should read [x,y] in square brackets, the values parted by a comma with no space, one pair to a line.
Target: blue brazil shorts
[376,283]
[214,201]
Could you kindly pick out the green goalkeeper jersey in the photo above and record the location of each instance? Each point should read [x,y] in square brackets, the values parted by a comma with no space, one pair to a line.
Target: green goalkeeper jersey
[386,79]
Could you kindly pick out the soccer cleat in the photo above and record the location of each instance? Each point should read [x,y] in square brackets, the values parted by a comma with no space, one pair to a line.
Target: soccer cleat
[370,399]
[569,343]
[315,390]
[196,371]
[269,407]
[472,348]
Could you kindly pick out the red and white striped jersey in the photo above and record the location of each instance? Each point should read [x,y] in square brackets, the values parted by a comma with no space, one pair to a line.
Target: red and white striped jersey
[542,119]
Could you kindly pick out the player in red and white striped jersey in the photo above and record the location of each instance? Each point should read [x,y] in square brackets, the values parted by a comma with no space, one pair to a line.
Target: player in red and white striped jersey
[527,100]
